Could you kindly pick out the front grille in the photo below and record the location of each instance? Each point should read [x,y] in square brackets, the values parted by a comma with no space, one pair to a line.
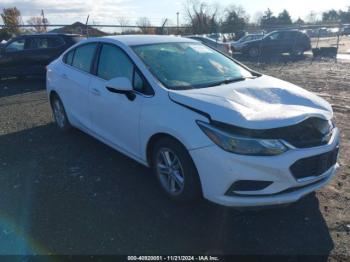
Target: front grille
[315,165]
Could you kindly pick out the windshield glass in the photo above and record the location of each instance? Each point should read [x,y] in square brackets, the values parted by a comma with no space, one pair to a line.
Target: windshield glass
[189,65]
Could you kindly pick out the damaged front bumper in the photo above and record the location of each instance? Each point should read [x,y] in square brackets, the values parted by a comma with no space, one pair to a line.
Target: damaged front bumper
[219,170]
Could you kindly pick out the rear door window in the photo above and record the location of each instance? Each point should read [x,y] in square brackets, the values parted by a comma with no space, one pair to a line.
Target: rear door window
[55,42]
[38,43]
[84,56]
[68,59]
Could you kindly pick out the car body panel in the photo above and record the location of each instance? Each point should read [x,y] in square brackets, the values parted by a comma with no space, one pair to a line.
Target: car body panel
[260,103]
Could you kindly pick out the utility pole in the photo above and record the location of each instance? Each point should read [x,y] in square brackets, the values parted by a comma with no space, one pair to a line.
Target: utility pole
[43,20]
[162,29]
[177,14]
[87,27]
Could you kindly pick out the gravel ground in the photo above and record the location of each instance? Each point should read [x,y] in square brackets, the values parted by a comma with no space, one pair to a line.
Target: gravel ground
[70,194]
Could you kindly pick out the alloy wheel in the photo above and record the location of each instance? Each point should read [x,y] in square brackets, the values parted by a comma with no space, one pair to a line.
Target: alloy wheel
[59,114]
[170,171]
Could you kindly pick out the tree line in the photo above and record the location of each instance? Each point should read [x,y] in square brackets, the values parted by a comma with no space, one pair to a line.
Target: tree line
[205,18]
[199,18]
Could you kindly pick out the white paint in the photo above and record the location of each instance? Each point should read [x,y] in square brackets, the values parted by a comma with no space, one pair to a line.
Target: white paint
[127,126]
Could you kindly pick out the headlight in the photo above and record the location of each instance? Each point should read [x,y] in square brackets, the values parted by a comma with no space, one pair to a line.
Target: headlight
[243,145]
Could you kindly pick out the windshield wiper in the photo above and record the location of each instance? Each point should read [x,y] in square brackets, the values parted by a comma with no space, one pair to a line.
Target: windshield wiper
[222,82]
[228,81]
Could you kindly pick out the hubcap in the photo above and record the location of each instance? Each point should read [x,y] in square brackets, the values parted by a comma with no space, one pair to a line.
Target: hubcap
[170,171]
[59,113]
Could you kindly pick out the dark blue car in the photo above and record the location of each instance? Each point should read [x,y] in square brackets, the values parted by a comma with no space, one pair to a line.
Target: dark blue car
[29,54]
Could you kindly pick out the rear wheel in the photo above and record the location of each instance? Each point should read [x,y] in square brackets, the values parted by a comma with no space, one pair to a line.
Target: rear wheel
[59,114]
[175,170]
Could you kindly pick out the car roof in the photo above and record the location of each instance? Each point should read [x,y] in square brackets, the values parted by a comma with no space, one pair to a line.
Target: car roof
[50,34]
[132,40]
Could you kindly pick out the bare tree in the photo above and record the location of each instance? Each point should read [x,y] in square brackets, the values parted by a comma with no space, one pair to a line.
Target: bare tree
[145,25]
[38,23]
[123,22]
[12,19]
[202,17]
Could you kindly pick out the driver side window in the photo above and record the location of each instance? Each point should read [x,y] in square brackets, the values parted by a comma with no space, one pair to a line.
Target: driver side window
[113,62]
[15,46]
[274,36]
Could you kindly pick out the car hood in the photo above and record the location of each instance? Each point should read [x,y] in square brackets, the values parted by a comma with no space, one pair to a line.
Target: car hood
[260,103]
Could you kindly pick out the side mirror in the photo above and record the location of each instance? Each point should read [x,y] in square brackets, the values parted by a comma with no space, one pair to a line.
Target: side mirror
[121,85]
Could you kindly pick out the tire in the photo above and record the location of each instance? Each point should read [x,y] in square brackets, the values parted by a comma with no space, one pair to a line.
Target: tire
[253,52]
[179,167]
[59,114]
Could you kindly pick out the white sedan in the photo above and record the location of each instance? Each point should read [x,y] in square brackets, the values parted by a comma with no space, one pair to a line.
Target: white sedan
[206,124]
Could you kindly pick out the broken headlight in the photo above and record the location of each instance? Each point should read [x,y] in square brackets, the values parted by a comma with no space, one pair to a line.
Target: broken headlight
[242,145]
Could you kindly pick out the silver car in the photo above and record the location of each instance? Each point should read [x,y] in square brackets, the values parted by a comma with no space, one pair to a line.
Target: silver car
[237,45]
[216,44]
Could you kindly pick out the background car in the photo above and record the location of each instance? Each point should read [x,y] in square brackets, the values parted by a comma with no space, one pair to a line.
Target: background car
[345,30]
[237,45]
[216,44]
[293,42]
[30,54]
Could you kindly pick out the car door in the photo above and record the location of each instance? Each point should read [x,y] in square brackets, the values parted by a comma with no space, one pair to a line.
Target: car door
[12,58]
[42,50]
[271,43]
[75,79]
[287,41]
[38,54]
[115,117]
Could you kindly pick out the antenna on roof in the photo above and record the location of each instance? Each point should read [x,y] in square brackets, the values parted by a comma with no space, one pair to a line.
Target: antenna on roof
[87,27]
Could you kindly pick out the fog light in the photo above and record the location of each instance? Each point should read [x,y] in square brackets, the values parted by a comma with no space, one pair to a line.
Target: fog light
[247,185]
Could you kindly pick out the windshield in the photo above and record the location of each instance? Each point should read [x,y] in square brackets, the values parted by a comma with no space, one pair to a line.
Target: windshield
[189,65]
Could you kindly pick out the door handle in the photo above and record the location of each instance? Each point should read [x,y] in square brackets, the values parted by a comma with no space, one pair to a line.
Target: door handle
[64,76]
[95,91]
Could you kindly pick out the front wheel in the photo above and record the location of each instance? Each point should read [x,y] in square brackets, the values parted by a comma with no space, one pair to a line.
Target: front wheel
[175,170]
[59,114]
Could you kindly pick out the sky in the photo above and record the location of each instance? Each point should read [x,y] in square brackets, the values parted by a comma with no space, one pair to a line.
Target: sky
[109,11]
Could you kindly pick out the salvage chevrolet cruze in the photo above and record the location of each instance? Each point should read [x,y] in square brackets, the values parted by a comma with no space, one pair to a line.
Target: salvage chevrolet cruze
[206,124]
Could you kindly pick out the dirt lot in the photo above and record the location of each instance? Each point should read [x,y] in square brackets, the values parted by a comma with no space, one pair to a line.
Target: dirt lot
[70,194]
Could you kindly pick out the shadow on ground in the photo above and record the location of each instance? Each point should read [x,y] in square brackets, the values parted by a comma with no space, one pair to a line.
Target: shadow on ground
[14,86]
[70,194]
